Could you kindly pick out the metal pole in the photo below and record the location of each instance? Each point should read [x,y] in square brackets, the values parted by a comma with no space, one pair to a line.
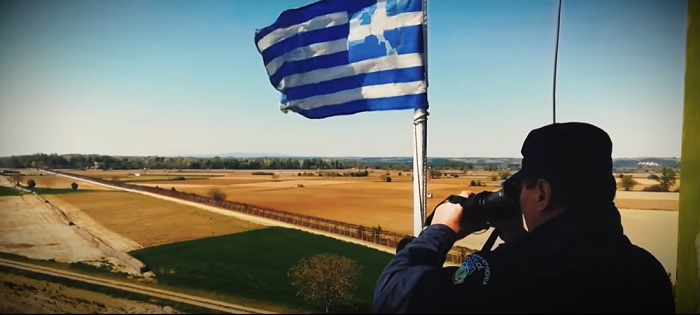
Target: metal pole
[688,266]
[556,59]
[420,132]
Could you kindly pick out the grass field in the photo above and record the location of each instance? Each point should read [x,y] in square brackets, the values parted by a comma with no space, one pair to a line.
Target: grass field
[254,264]
[150,221]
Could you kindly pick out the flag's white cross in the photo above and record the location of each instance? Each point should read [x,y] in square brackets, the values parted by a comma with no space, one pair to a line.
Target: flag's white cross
[378,23]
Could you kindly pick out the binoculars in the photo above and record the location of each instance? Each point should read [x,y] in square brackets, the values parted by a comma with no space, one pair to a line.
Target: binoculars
[486,207]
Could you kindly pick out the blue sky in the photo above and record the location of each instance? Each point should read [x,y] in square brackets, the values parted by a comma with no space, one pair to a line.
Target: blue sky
[184,77]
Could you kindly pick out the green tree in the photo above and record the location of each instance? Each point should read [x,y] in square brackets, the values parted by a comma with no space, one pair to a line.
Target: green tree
[326,280]
[74,186]
[31,184]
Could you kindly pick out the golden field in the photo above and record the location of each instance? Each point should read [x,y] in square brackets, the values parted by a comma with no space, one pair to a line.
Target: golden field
[151,221]
[367,201]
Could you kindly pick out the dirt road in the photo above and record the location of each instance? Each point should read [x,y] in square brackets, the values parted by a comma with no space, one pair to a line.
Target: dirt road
[21,294]
[135,288]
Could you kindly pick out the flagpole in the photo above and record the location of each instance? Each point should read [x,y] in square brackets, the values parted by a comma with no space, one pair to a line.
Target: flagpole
[420,132]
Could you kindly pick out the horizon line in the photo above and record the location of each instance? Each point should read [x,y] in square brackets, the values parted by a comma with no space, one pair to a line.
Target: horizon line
[284,155]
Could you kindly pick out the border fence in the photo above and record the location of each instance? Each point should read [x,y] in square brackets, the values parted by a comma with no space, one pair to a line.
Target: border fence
[373,235]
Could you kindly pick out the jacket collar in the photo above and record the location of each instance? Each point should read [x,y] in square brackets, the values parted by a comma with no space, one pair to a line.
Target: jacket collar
[596,223]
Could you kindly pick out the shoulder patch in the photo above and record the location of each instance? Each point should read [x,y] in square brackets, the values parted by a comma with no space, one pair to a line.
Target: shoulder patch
[473,263]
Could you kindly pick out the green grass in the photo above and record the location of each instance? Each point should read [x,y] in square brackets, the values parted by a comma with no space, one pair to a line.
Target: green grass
[8,191]
[160,178]
[61,191]
[253,265]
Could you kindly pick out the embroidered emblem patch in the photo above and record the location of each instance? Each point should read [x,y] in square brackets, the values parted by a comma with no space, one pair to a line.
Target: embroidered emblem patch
[466,269]
[473,263]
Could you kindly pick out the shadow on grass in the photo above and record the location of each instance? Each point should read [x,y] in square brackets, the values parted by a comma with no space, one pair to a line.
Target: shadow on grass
[8,191]
[61,191]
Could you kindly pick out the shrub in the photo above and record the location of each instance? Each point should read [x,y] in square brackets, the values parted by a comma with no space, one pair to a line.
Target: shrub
[655,188]
[74,185]
[31,184]
[217,194]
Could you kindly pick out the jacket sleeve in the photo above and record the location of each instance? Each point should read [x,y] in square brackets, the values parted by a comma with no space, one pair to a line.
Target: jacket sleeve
[409,283]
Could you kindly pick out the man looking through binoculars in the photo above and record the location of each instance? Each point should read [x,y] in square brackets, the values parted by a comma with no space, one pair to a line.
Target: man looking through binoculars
[573,258]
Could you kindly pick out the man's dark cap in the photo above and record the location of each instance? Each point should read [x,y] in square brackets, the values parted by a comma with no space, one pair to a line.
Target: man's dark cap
[566,153]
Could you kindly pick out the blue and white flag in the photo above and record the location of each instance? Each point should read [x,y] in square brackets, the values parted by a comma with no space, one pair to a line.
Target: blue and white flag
[341,57]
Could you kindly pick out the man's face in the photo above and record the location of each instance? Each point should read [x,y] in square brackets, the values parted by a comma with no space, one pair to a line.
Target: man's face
[532,203]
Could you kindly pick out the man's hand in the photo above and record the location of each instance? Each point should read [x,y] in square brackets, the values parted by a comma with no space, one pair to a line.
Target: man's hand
[450,214]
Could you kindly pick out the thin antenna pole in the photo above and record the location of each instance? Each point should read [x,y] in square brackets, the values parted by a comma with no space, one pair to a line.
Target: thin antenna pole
[556,59]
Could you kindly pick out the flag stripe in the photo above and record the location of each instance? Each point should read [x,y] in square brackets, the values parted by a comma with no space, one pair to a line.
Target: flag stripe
[307,65]
[316,23]
[305,13]
[365,92]
[357,81]
[305,39]
[302,59]
[307,52]
[400,26]
[402,6]
[346,70]
[325,58]
[378,104]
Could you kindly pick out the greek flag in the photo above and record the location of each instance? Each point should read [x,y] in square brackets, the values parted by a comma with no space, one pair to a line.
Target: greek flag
[341,57]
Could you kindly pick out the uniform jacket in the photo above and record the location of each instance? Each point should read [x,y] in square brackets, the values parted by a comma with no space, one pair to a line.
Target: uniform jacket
[578,262]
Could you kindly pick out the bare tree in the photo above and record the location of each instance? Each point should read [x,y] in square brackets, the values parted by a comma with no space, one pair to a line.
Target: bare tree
[326,280]
[17,178]
[276,176]
[217,194]
[667,178]
[627,182]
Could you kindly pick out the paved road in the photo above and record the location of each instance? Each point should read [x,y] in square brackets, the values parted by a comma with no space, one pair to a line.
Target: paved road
[136,288]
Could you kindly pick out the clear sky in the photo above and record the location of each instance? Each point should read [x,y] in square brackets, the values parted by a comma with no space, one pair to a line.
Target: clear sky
[184,77]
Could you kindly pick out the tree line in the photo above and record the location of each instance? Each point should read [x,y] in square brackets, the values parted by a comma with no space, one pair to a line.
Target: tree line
[106,162]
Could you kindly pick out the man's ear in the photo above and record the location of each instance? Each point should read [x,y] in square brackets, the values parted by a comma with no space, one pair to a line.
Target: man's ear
[544,189]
